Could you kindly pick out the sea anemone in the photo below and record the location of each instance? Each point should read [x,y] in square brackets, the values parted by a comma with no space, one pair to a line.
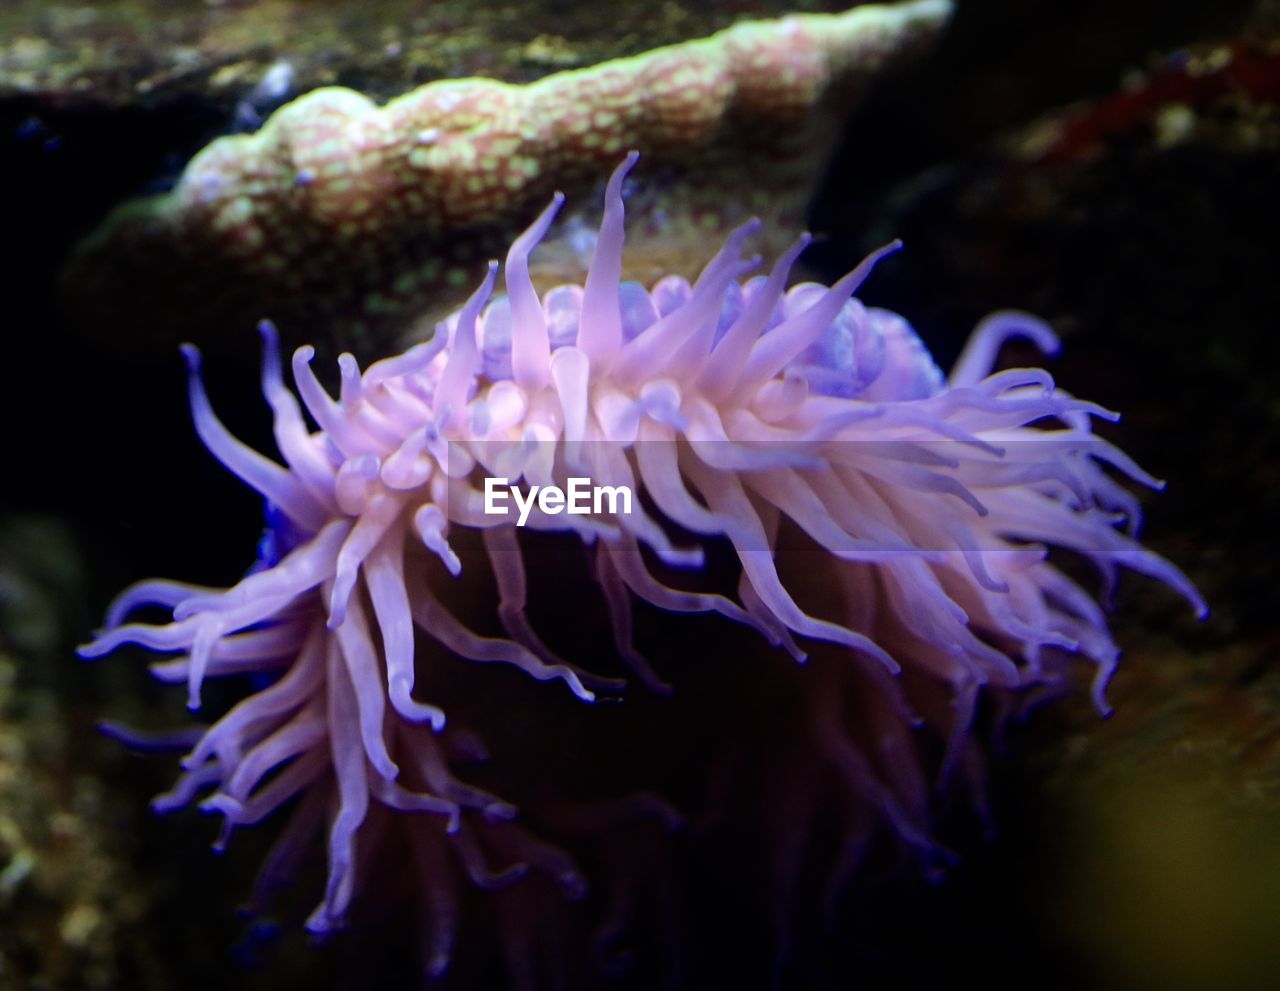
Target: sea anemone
[793,432]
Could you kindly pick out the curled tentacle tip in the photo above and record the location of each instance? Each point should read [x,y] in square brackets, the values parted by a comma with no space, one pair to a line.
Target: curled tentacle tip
[574,885]
[115,731]
[509,876]
[673,821]
[191,355]
[222,804]
[499,812]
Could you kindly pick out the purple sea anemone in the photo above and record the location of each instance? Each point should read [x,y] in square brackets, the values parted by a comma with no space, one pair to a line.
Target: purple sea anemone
[865,508]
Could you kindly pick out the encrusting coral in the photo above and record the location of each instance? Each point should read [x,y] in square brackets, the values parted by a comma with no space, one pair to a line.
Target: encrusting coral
[888,523]
[338,208]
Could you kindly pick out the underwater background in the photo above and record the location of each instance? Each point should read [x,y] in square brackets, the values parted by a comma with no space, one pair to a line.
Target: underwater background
[1110,167]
